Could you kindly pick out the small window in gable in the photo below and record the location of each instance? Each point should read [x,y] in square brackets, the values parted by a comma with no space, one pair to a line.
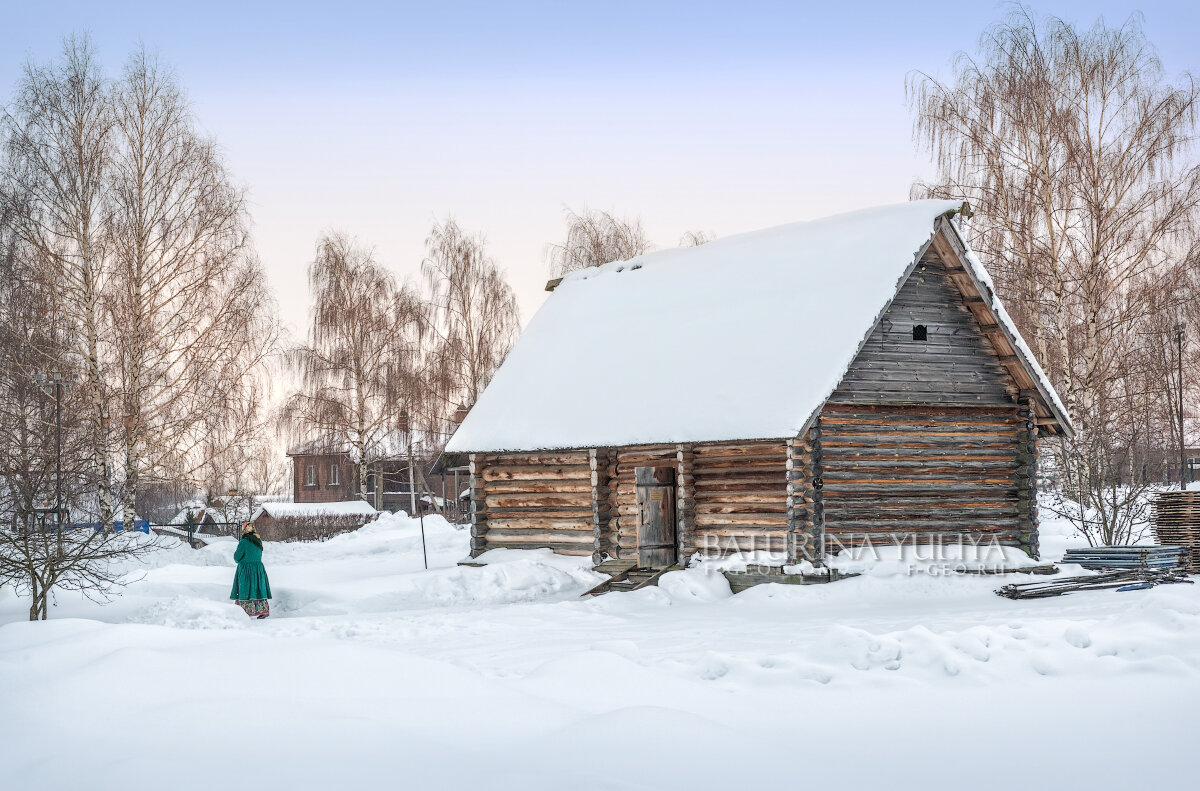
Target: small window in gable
[920,333]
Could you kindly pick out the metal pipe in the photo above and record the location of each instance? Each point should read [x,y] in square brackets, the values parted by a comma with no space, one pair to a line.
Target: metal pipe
[1179,392]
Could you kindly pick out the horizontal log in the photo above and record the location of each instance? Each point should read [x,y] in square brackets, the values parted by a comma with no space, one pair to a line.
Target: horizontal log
[748,463]
[882,443]
[538,500]
[579,512]
[761,520]
[737,448]
[920,489]
[779,507]
[919,455]
[929,474]
[837,499]
[560,547]
[541,537]
[654,458]
[895,467]
[868,514]
[914,525]
[565,525]
[857,541]
[539,487]
[704,535]
[923,378]
[538,459]
[917,424]
[928,355]
[764,481]
[941,397]
[538,473]
[742,496]
[835,410]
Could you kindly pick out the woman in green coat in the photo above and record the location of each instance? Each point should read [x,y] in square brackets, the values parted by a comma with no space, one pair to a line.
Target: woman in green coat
[251,589]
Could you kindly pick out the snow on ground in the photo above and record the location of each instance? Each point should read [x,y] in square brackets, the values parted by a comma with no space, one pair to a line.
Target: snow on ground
[372,670]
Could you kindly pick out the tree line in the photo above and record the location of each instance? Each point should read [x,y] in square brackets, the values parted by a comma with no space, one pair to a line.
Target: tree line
[387,364]
[128,266]
[127,270]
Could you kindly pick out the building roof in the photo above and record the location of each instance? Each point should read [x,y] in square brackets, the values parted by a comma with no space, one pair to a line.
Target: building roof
[392,446]
[741,338]
[321,446]
[344,508]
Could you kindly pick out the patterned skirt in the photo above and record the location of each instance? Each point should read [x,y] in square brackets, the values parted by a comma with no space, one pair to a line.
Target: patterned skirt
[255,608]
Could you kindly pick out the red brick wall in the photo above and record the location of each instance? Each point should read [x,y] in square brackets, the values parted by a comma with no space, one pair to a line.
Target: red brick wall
[324,491]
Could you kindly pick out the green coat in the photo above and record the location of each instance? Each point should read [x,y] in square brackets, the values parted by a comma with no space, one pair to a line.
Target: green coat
[250,581]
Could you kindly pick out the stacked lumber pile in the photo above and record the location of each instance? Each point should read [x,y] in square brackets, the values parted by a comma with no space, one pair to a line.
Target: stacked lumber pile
[1120,579]
[1129,557]
[1175,518]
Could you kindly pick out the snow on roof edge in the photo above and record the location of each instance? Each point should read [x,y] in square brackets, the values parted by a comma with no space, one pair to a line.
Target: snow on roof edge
[340,508]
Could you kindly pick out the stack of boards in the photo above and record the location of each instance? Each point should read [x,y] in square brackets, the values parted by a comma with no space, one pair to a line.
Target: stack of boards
[1131,557]
[1176,520]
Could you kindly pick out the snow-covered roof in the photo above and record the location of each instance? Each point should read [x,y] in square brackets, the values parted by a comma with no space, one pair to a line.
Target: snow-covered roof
[217,511]
[321,446]
[741,338]
[347,508]
[390,446]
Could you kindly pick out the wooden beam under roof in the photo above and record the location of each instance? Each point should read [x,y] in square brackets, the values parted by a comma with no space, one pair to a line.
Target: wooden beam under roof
[946,243]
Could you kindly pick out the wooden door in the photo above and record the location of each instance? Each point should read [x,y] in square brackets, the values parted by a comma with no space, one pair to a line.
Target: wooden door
[656,516]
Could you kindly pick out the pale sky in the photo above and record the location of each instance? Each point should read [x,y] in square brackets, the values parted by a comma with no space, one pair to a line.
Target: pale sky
[376,119]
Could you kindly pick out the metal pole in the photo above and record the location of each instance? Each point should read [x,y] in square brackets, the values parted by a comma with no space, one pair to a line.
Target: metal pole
[58,449]
[412,498]
[412,483]
[58,463]
[424,552]
[1179,392]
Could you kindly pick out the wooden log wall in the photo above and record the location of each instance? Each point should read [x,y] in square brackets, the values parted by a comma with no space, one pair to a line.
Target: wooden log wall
[897,471]
[741,497]
[730,497]
[925,440]
[529,500]
[955,364]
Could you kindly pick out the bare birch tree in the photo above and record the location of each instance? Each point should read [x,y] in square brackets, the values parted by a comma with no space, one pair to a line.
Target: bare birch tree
[357,370]
[474,316]
[42,453]
[696,238]
[57,136]
[1079,158]
[191,313]
[595,238]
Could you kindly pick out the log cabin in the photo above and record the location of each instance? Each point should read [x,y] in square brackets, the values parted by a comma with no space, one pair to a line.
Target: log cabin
[796,391]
